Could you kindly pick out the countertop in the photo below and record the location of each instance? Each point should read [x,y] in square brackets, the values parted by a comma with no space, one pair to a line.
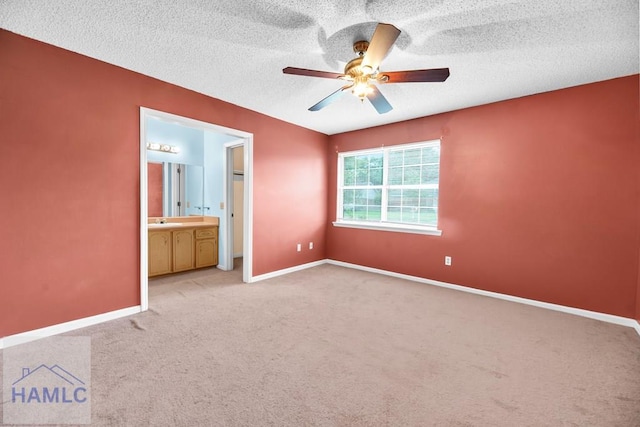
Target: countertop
[184,222]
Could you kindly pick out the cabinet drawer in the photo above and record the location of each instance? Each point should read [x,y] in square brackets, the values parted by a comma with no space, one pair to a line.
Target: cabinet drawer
[206,233]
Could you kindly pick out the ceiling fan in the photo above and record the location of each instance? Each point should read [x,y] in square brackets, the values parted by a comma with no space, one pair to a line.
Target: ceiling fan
[362,72]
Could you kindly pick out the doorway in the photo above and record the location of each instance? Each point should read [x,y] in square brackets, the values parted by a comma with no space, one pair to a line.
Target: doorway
[234,199]
[238,138]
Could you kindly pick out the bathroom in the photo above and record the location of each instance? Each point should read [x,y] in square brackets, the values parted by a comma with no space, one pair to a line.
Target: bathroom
[185,178]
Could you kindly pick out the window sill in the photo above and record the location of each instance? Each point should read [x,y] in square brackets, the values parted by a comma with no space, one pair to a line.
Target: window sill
[399,228]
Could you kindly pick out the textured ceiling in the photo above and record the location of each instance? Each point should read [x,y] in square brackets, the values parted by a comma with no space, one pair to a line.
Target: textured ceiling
[236,50]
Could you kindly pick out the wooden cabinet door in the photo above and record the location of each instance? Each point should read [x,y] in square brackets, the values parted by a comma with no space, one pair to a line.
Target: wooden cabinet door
[183,248]
[159,260]
[206,253]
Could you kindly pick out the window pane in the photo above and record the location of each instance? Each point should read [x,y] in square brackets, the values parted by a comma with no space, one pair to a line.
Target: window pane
[431,155]
[394,198]
[366,170]
[429,198]
[349,177]
[395,176]
[375,176]
[411,198]
[362,162]
[359,212]
[395,158]
[361,197]
[367,205]
[411,175]
[410,215]
[347,212]
[362,177]
[349,163]
[429,174]
[373,213]
[376,160]
[348,197]
[348,201]
[404,206]
[412,157]
[375,196]
[394,214]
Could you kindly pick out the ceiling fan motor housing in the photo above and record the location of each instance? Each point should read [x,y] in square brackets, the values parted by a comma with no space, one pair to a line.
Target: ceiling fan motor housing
[360,47]
[353,69]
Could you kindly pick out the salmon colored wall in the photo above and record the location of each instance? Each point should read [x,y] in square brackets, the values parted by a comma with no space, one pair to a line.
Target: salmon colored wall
[290,195]
[70,182]
[538,199]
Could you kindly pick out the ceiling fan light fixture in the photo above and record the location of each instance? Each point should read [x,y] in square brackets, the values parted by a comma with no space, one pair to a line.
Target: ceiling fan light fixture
[361,87]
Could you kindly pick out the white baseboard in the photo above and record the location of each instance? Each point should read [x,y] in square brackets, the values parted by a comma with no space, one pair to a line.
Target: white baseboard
[287,270]
[24,337]
[609,318]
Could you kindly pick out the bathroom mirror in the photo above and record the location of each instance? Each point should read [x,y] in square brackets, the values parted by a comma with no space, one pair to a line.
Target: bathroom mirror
[175,189]
[194,190]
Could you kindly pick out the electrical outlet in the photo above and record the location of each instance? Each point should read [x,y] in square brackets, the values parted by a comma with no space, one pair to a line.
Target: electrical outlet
[447,260]
[310,245]
[299,247]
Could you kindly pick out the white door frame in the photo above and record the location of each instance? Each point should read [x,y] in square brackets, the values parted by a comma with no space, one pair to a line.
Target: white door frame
[246,140]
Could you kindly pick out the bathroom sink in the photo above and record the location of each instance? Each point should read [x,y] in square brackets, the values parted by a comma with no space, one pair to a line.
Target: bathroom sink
[167,224]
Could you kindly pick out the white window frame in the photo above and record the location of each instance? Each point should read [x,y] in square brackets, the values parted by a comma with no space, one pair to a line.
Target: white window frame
[382,224]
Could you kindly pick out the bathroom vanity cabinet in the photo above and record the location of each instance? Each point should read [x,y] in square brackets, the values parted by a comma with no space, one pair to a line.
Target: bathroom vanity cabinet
[160,255]
[206,247]
[183,248]
[181,244]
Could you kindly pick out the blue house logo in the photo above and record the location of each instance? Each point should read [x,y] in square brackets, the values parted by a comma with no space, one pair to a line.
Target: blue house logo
[48,384]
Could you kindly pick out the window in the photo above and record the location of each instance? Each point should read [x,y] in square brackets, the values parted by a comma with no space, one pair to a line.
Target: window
[390,188]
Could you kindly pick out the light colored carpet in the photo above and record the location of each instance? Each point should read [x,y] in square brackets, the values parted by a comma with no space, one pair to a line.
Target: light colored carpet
[331,346]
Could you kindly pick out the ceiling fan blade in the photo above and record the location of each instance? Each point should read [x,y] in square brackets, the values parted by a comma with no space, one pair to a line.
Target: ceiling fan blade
[383,38]
[311,73]
[329,99]
[379,102]
[432,75]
